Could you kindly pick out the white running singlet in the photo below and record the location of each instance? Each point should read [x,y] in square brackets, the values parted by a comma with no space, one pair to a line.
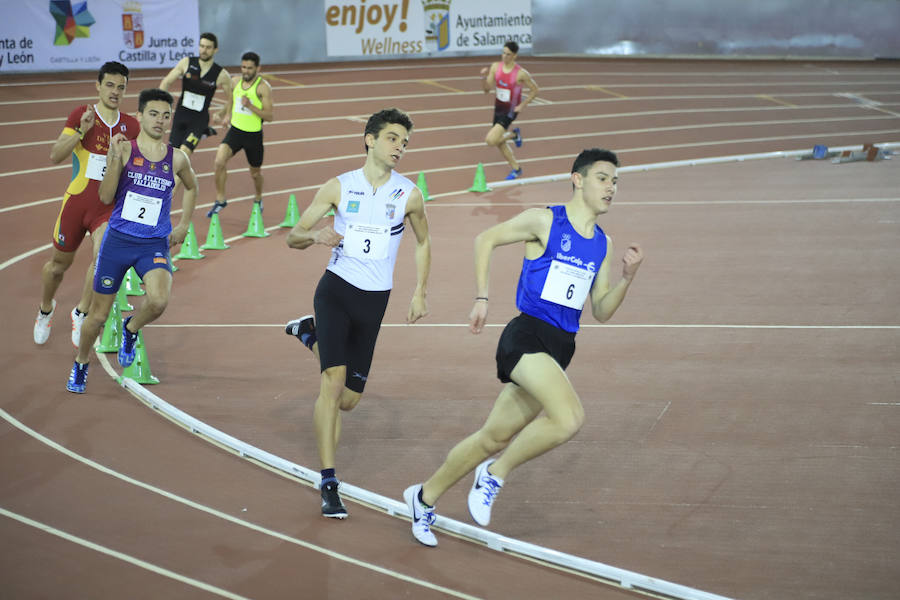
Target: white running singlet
[371,221]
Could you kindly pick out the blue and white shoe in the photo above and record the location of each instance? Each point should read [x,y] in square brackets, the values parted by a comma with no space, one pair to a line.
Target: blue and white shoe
[77,378]
[518,138]
[126,350]
[304,329]
[484,491]
[216,208]
[514,174]
[422,516]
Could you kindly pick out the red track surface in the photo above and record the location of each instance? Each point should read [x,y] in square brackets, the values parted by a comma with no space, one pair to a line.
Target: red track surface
[742,406]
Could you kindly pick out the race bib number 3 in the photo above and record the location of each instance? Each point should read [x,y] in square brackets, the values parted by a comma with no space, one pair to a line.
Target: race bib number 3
[368,242]
[96,166]
[502,94]
[192,101]
[567,285]
[141,209]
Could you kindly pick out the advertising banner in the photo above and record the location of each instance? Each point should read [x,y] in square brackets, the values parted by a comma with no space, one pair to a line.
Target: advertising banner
[69,35]
[355,28]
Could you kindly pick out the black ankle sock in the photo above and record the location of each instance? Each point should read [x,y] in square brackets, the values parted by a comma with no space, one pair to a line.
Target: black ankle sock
[422,501]
[328,476]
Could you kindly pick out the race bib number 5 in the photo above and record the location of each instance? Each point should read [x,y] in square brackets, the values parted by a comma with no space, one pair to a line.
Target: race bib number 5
[141,209]
[96,166]
[567,285]
[368,242]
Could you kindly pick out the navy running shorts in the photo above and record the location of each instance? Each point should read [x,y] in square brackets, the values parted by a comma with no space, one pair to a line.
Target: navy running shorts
[120,251]
[529,335]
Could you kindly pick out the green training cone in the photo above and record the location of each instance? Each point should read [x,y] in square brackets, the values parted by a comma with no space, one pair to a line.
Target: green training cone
[292,215]
[132,283]
[479,184]
[139,370]
[112,329]
[214,239]
[423,186]
[189,246]
[121,302]
[256,228]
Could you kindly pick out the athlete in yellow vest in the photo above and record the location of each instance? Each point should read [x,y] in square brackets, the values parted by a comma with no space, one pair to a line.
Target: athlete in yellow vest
[250,104]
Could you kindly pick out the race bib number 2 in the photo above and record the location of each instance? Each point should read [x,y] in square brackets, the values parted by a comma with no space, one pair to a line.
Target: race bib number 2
[366,241]
[567,285]
[141,209]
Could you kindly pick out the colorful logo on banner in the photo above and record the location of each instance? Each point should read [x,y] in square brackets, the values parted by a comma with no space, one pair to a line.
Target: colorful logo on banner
[437,24]
[133,24]
[71,21]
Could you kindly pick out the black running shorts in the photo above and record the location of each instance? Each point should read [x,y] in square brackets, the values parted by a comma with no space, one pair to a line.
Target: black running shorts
[503,118]
[529,335]
[188,128]
[251,142]
[347,323]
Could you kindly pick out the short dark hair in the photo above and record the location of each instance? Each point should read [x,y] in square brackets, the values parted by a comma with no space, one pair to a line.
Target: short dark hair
[591,155]
[152,95]
[211,37]
[113,68]
[385,117]
[513,46]
[251,56]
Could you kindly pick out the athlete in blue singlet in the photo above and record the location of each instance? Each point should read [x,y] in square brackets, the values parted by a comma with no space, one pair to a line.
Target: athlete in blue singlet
[139,179]
[566,263]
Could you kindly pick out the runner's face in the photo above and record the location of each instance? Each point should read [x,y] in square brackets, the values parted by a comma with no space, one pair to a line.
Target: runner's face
[111,90]
[207,49]
[509,59]
[390,144]
[155,118]
[248,70]
[599,186]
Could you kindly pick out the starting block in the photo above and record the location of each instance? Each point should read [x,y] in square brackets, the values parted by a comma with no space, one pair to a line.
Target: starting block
[869,153]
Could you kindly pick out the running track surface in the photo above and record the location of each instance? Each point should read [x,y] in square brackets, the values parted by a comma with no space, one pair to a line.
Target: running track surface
[743,406]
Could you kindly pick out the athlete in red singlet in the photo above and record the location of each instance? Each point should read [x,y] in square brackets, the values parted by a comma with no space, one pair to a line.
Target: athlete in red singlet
[85,138]
[507,78]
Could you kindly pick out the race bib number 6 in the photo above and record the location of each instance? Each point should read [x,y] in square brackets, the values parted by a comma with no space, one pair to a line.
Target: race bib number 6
[368,242]
[141,209]
[567,285]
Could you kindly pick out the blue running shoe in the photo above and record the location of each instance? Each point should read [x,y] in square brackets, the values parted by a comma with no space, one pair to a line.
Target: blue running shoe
[515,173]
[518,138]
[77,378]
[126,350]
[216,208]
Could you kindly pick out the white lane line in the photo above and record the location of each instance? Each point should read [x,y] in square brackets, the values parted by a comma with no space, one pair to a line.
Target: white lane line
[120,555]
[479,124]
[226,517]
[584,326]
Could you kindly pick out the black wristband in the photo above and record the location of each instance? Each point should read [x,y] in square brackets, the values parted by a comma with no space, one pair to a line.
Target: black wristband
[481,298]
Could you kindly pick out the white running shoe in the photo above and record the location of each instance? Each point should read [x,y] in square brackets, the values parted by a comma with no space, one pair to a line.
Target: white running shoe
[77,322]
[42,325]
[481,496]
[422,516]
